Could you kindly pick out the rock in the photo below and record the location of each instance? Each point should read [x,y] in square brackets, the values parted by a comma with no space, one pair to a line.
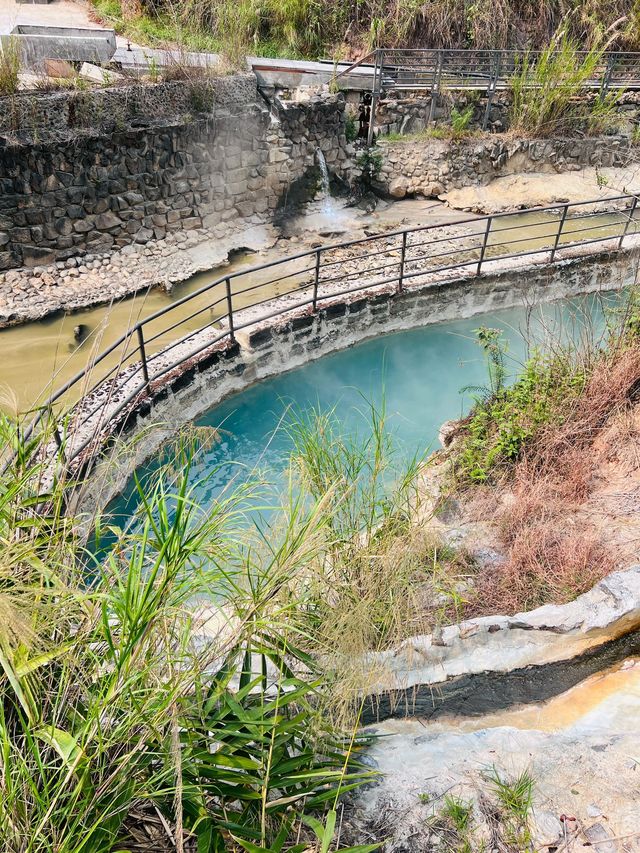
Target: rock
[599,839]
[59,68]
[80,332]
[33,255]
[447,432]
[99,75]
[106,221]
[546,829]
[398,187]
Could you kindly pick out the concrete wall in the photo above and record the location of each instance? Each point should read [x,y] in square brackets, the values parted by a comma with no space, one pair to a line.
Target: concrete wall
[429,167]
[116,185]
[284,343]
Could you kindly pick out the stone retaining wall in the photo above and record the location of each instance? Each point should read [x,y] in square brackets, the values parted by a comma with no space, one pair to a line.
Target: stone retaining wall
[33,116]
[110,188]
[430,167]
[402,112]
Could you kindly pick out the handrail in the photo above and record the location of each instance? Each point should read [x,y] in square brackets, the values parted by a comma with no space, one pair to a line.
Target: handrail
[401,259]
[430,69]
[356,64]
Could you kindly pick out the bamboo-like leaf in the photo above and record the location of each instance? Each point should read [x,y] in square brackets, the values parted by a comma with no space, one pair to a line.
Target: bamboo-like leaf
[64,744]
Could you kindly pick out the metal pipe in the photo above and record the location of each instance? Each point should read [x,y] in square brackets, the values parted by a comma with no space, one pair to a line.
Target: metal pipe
[561,225]
[628,220]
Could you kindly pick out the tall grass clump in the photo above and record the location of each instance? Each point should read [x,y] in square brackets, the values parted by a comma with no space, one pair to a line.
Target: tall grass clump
[548,89]
[383,577]
[9,66]
[125,698]
[313,28]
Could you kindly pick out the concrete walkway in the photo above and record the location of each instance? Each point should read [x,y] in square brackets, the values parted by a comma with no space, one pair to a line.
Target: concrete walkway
[281,72]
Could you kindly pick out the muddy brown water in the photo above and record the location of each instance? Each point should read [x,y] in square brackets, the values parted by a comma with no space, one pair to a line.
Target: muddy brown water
[38,357]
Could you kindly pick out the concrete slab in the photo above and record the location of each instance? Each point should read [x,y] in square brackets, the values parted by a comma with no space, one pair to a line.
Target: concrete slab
[40,42]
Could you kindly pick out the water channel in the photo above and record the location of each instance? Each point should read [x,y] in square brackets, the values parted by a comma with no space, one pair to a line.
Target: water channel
[36,358]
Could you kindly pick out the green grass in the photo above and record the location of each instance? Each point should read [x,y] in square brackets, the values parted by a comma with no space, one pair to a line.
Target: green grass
[162,29]
[515,800]
[458,812]
[442,131]
[548,91]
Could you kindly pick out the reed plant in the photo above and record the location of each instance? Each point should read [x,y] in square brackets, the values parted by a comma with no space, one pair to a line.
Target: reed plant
[122,693]
[9,65]
[548,89]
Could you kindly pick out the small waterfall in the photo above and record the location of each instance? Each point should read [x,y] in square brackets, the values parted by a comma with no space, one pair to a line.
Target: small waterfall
[327,202]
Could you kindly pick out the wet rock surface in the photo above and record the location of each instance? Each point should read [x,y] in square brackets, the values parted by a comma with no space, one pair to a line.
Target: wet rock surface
[581,750]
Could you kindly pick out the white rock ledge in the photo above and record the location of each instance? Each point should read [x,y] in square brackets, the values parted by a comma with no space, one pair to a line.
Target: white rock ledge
[502,644]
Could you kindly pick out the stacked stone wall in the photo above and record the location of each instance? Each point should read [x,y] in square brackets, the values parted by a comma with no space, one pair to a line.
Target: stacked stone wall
[429,167]
[109,187]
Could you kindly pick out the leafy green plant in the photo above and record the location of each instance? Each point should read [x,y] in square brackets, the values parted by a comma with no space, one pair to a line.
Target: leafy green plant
[351,125]
[370,163]
[460,121]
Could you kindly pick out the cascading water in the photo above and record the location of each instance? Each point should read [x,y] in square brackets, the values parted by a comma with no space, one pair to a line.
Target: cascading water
[328,205]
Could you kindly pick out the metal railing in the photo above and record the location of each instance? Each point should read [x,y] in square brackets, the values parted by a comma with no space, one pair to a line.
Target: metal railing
[199,328]
[486,71]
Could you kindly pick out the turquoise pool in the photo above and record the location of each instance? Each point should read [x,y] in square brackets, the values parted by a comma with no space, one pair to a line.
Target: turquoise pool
[418,376]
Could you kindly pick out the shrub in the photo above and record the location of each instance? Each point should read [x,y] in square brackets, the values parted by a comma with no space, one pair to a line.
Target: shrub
[351,126]
[370,163]
[504,419]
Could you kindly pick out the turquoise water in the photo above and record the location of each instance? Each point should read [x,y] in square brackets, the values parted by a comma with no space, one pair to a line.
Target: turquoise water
[417,375]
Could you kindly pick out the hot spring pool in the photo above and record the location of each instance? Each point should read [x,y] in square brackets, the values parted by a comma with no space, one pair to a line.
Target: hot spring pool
[417,375]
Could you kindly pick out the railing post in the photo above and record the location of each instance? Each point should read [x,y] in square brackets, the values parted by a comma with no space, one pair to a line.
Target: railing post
[232,329]
[316,280]
[560,227]
[629,220]
[608,73]
[58,440]
[493,83]
[143,355]
[375,95]
[484,244]
[403,253]
[435,86]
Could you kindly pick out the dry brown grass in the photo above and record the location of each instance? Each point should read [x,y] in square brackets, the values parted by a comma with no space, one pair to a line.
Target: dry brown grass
[553,551]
